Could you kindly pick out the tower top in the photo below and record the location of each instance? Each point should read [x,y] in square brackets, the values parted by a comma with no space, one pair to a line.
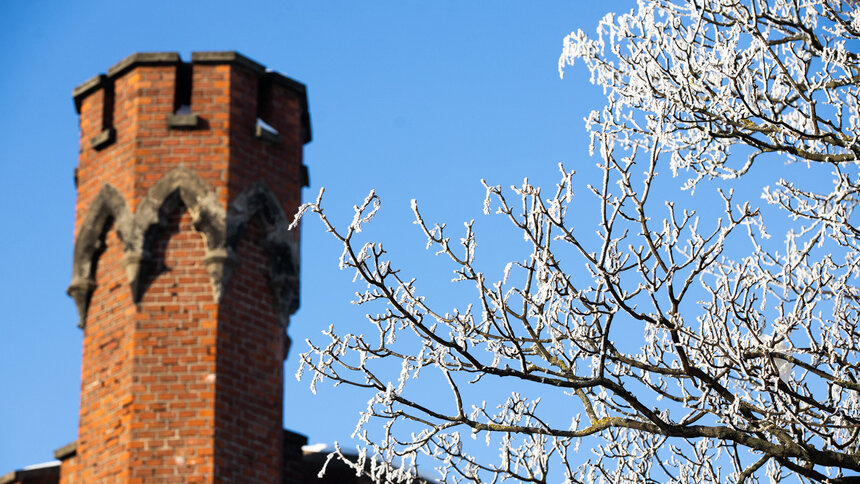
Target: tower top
[101,81]
[222,117]
[185,273]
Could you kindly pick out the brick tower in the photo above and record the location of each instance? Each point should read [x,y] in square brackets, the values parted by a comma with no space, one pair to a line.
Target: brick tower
[185,274]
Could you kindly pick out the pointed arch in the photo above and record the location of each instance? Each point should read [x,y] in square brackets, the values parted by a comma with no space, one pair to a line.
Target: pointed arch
[109,206]
[222,231]
[207,216]
[283,250]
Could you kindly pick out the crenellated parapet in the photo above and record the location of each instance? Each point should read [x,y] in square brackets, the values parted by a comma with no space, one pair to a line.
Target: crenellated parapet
[102,95]
[156,131]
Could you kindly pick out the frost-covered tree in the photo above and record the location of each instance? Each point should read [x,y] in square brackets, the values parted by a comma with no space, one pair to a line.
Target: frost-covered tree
[698,342]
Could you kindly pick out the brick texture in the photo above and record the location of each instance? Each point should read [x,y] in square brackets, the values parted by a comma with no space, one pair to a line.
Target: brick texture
[177,384]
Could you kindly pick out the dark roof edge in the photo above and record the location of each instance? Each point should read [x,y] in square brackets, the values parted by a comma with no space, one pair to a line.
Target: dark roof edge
[295,437]
[21,474]
[66,451]
[143,58]
[120,68]
[286,82]
[227,57]
[91,85]
[167,58]
[84,90]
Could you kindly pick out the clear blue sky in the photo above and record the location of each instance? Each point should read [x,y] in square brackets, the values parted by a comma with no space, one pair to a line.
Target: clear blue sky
[416,99]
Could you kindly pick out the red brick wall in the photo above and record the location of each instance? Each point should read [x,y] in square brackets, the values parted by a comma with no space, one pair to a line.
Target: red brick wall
[178,387]
[106,373]
[68,471]
[175,330]
[249,386]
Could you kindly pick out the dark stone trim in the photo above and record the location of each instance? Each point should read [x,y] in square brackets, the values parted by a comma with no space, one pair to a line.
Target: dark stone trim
[103,139]
[306,123]
[284,81]
[109,205]
[85,89]
[265,134]
[90,85]
[120,68]
[25,475]
[142,58]
[306,176]
[220,264]
[66,451]
[131,261]
[81,290]
[227,57]
[283,250]
[221,230]
[182,121]
[207,216]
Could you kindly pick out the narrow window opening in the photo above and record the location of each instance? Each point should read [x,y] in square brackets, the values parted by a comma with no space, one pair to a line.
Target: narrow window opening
[182,117]
[182,96]
[263,129]
[107,106]
[107,135]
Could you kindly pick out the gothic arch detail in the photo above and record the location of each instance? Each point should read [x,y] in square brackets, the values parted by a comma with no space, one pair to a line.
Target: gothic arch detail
[207,217]
[282,249]
[222,231]
[108,206]
[206,213]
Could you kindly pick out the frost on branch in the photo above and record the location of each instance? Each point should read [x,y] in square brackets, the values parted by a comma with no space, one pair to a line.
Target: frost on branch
[634,338]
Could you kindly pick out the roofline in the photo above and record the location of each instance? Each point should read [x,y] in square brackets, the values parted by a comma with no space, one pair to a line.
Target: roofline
[206,57]
[32,473]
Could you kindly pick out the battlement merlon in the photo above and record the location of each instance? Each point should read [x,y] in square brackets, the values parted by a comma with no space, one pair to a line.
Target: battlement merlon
[104,83]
